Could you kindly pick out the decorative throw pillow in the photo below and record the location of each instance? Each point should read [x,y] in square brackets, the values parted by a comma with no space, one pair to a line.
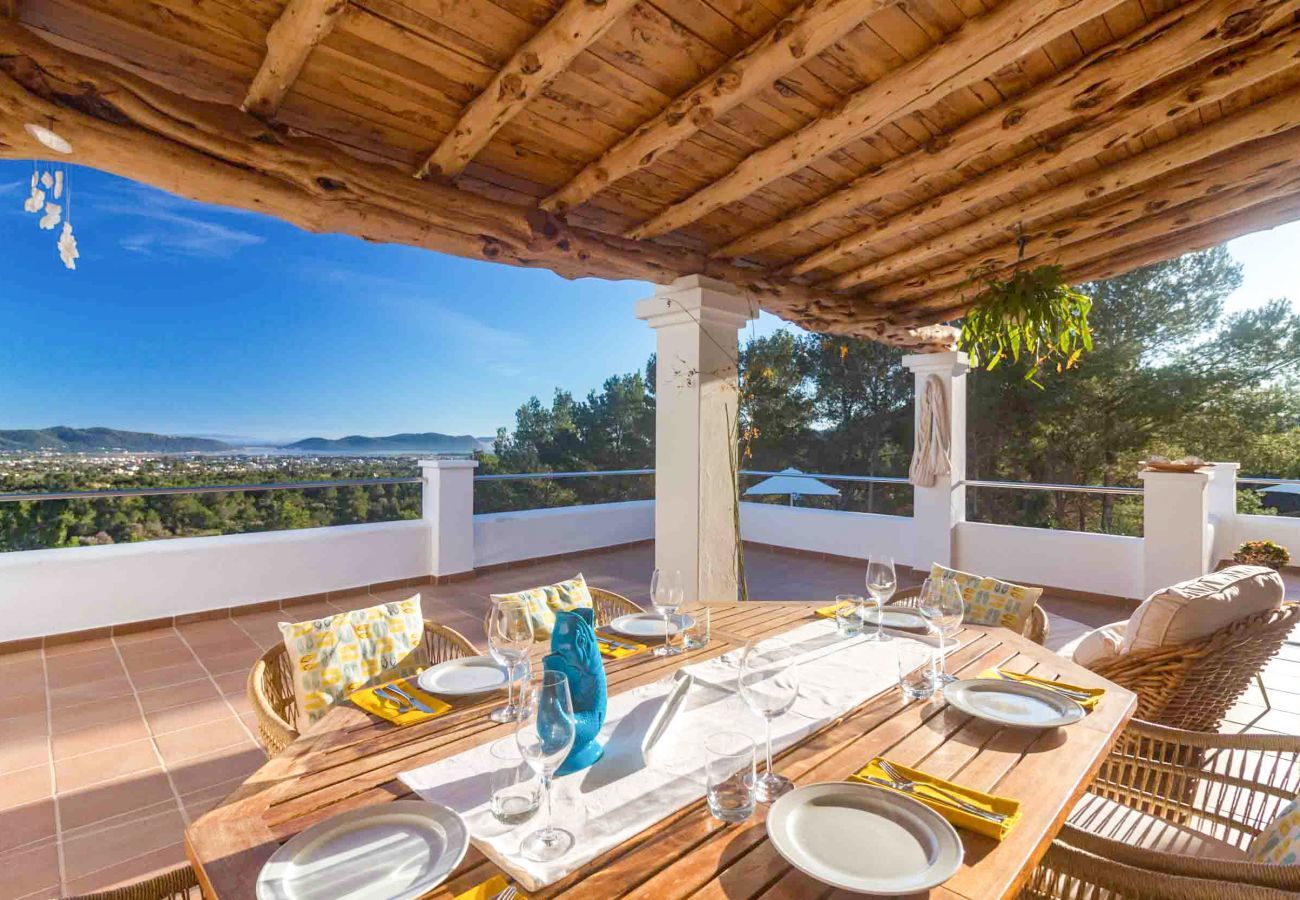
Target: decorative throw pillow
[1279,843]
[543,602]
[336,655]
[1099,645]
[989,601]
[1201,606]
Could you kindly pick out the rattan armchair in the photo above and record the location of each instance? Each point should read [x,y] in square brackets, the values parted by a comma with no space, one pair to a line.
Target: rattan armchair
[607,605]
[1227,787]
[1194,685]
[270,683]
[1035,627]
[178,884]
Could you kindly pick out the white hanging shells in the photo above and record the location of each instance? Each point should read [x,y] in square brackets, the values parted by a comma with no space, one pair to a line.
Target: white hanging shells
[58,184]
[68,247]
[47,180]
[53,214]
[34,203]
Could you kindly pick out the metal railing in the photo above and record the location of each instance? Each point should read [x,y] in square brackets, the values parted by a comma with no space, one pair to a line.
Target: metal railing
[19,496]
[1268,481]
[551,476]
[1115,489]
[882,479]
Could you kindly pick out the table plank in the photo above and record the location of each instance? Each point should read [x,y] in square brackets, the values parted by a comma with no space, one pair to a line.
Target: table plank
[349,760]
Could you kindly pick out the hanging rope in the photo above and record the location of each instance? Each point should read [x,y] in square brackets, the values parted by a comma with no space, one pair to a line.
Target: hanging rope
[930,457]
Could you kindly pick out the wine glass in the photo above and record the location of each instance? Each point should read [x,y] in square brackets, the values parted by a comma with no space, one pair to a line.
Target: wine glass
[942,606]
[769,684]
[510,638]
[545,738]
[881,583]
[666,594]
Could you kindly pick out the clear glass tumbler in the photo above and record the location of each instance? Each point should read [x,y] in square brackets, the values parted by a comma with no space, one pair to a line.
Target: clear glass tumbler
[915,670]
[729,775]
[848,619]
[515,793]
[695,631]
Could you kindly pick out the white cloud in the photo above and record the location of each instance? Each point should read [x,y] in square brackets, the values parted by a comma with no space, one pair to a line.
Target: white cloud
[171,226]
[13,188]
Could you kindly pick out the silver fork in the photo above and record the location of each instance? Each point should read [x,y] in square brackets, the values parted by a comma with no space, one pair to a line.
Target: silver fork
[911,786]
[387,694]
[510,893]
[1073,695]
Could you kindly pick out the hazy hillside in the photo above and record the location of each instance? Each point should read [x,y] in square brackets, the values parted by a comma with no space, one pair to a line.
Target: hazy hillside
[428,442]
[72,440]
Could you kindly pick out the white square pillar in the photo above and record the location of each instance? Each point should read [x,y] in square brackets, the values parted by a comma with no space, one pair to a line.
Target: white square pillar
[1175,525]
[448,507]
[696,321]
[1221,504]
[938,509]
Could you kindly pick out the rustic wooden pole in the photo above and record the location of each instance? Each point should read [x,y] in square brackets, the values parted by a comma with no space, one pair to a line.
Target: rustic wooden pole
[302,25]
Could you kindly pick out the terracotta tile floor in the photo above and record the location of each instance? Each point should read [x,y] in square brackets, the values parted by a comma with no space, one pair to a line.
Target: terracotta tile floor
[109,747]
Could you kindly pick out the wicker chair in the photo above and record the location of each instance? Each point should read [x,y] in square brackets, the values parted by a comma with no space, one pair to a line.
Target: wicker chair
[270,683]
[1193,685]
[1035,627]
[1224,787]
[608,605]
[178,884]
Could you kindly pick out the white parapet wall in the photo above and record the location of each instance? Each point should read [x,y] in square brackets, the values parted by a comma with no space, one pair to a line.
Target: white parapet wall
[1283,530]
[1107,564]
[45,592]
[851,534]
[528,534]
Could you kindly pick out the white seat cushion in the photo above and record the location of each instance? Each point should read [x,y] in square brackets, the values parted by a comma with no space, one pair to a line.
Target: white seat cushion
[1198,608]
[1100,816]
[1099,645]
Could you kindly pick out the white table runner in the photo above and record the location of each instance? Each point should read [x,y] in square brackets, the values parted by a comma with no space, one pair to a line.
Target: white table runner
[623,794]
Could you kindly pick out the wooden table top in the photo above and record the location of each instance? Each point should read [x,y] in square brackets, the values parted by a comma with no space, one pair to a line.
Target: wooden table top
[349,759]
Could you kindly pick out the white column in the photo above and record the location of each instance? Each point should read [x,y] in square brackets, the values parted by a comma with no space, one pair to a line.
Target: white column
[448,507]
[696,321]
[1221,501]
[937,510]
[1176,535]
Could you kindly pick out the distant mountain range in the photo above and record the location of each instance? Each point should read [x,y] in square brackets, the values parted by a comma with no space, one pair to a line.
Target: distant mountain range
[77,440]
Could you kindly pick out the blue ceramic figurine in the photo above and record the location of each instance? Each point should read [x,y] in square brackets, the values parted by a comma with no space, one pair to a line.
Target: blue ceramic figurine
[574,652]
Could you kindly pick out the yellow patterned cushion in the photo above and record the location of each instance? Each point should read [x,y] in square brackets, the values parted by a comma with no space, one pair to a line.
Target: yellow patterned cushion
[334,656]
[1279,843]
[543,602]
[989,601]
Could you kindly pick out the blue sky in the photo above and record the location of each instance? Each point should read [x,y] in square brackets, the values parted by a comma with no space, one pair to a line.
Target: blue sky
[186,318]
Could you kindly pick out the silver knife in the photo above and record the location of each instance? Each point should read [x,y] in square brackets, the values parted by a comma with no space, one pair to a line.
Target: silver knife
[1073,695]
[984,814]
[613,643]
[409,699]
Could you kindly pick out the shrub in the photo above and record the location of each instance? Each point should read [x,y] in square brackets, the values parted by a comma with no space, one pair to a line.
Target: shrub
[1262,553]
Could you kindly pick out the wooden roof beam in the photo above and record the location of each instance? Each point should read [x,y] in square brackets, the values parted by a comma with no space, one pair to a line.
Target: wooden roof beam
[982,47]
[1098,89]
[9,9]
[302,25]
[575,27]
[803,34]
[1200,193]
[1247,126]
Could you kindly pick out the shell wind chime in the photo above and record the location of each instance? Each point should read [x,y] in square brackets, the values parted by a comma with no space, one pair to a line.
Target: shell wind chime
[48,186]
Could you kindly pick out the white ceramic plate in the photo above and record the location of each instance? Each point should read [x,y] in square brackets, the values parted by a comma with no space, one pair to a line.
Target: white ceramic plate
[649,625]
[1012,703]
[902,618]
[464,676]
[863,838]
[392,851]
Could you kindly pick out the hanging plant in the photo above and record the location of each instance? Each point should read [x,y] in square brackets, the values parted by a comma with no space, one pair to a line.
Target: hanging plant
[1033,314]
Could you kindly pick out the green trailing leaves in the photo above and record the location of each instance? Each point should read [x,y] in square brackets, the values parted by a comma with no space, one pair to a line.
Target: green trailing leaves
[1033,315]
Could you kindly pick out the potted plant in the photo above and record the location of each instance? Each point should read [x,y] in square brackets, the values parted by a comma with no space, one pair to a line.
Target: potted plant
[1262,553]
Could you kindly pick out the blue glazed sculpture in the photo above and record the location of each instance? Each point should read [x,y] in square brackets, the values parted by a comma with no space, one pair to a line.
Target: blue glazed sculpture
[574,652]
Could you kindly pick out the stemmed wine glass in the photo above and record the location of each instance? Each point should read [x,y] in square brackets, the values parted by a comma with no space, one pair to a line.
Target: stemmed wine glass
[769,684]
[666,594]
[510,637]
[881,583]
[941,604]
[545,739]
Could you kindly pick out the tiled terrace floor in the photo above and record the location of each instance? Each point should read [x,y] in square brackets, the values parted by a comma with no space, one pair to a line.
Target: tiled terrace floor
[109,747]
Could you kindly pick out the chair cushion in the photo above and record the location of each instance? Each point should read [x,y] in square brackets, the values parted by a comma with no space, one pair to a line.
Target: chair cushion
[1198,608]
[1279,843]
[990,601]
[1109,819]
[544,602]
[336,655]
[1100,645]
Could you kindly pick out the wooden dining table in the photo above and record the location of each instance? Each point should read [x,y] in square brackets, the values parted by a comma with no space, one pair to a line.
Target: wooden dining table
[350,759]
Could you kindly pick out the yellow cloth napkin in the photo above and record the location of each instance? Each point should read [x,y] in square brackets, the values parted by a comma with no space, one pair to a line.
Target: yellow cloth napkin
[943,806]
[1094,694]
[367,699]
[828,612]
[488,890]
[619,652]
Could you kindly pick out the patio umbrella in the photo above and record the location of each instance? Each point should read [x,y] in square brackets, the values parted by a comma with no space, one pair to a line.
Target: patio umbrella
[794,483]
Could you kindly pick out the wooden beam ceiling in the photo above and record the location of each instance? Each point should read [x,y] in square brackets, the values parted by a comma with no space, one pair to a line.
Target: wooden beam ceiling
[302,25]
[983,46]
[577,25]
[809,29]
